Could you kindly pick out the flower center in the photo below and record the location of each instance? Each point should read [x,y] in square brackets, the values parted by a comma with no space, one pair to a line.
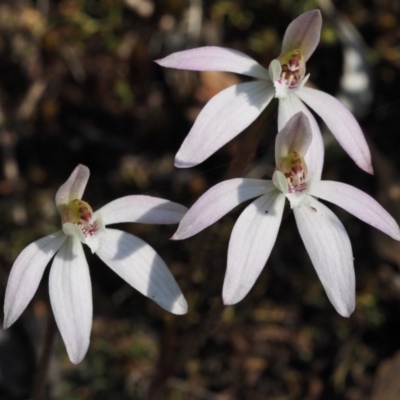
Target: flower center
[293,68]
[78,220]
[80,213]
[294,168]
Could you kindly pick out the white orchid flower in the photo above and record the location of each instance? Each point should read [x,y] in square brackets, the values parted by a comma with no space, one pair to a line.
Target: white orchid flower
[255,232]
[69,281]
[235,108]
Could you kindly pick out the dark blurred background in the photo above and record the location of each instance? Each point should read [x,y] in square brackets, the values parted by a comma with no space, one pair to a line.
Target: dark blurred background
[78,85]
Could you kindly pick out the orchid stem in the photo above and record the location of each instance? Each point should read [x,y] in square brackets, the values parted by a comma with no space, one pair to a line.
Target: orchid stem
[41,372]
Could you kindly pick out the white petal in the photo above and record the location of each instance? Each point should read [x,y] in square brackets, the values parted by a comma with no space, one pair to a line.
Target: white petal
[140,266]
[296,198]
[223,117]
[212,58]
[74,230]
[329,248]
[143,209]
[26,274]
[341,123]
[74,187]
[280,181]
[250,245]
[357,203]
[92,241]
[314,157]
[274,70]
[71,298]
[296,136]
[303,33]
[217,202]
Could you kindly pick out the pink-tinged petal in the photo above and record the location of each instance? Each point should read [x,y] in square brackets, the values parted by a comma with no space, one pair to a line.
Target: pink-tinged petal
[141,267]
[74,187]
[341,123]
[70,292]
[223,117]
[143,209]
[26,274]
[303,33]
[357,203]
[295,136]
[250,245]
[314,157]
[218,201]
[212,58]
[329,248]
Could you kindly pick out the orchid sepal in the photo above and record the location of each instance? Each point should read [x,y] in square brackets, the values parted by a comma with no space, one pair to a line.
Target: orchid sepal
[303,33]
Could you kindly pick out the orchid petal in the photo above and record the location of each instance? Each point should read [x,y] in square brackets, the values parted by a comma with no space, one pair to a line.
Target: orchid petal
[74,187]
[27,273]
[218,201]
[71,298]
[295,198]
[280,181]
[212,58]
[341,123]
[275,70]
[141,267]
[314,157]
[143,209]
[295,136]
[329,248]
[92,241]
[250,245]
[74,230]
[357,203]
[303,33]
[223,118]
